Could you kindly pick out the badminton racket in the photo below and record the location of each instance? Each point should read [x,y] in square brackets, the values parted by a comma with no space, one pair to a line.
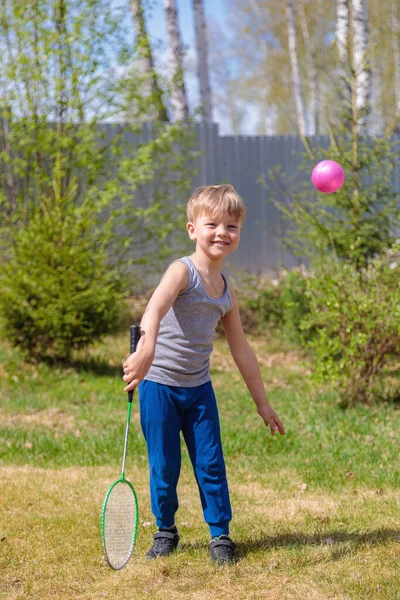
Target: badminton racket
[119,515]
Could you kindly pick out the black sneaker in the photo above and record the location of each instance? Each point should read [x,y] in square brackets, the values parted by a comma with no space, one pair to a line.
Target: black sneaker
[165,542]
[222,550]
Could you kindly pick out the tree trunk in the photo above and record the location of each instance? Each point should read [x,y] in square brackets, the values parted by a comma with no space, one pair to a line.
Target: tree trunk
[294,64]
[395,29]
[342,45]
[360,67]
[202,60]
[352,42]
[342,30]
[312,75]
[11,183]
[178,96]
[146,60]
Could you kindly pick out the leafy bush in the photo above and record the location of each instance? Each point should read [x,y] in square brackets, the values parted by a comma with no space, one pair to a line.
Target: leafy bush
[58,292]
[296,306]
[280,303]
[260,303]
[356,317]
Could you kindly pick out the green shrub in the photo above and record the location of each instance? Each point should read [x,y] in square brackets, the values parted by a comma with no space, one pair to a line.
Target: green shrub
[356,317]
[260,303]
[57,291]
[296,306]
[280,304]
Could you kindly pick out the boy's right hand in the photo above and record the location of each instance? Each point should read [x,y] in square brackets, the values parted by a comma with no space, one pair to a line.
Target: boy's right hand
[135,369]
[271,419]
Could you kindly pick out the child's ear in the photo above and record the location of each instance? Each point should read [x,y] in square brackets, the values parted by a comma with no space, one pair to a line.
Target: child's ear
[190,230]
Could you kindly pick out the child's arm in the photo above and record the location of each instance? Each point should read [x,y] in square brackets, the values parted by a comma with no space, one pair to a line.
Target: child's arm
[248,366]
[137,364]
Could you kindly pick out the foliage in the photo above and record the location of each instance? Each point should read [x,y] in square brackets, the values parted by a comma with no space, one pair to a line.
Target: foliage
[260,303]
[296,306]
[58,291]
[279,304]
[356,315]
[143,75]
[58,97]
[353,292]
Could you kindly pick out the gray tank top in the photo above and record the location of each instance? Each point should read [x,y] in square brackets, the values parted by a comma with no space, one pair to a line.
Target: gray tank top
[187,332]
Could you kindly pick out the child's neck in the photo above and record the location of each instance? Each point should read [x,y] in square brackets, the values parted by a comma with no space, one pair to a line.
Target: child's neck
[206,264]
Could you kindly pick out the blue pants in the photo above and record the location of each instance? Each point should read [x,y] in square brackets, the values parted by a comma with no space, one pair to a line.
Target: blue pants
[165,411]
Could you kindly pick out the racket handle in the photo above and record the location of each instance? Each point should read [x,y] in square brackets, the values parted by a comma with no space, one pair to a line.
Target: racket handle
[135,337]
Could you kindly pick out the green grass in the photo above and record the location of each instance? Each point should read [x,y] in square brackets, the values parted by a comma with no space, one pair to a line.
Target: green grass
[76,416]
[316,512]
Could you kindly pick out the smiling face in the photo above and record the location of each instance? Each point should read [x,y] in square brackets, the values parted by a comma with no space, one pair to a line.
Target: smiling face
[216,236]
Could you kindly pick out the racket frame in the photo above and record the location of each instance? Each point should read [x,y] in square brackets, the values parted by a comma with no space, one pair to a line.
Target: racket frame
[135,527]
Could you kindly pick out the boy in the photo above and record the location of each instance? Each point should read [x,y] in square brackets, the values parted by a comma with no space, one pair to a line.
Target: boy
[172,366]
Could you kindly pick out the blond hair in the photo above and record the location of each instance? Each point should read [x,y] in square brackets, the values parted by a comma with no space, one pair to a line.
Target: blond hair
[216,199]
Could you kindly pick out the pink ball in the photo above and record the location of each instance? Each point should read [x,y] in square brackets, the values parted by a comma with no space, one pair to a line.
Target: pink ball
[327,176]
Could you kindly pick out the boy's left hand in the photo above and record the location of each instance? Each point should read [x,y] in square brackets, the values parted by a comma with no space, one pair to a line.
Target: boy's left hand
[271,419]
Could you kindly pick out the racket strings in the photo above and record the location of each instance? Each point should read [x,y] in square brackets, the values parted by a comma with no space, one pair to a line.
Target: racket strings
[120,517]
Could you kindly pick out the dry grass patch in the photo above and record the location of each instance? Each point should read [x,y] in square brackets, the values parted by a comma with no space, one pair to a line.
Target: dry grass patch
[291,545]
[52,418]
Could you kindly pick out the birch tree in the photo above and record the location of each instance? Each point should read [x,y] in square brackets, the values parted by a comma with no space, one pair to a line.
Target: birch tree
[313,108]
[342,29]
[146,62]
[202,60]
[383,56]
[395,30]
[352,43]
[342,37]
[295,70]
[363,74]
[175,51]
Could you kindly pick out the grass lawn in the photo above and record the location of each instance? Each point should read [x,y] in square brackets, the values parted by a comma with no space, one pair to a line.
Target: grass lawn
[316,512]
